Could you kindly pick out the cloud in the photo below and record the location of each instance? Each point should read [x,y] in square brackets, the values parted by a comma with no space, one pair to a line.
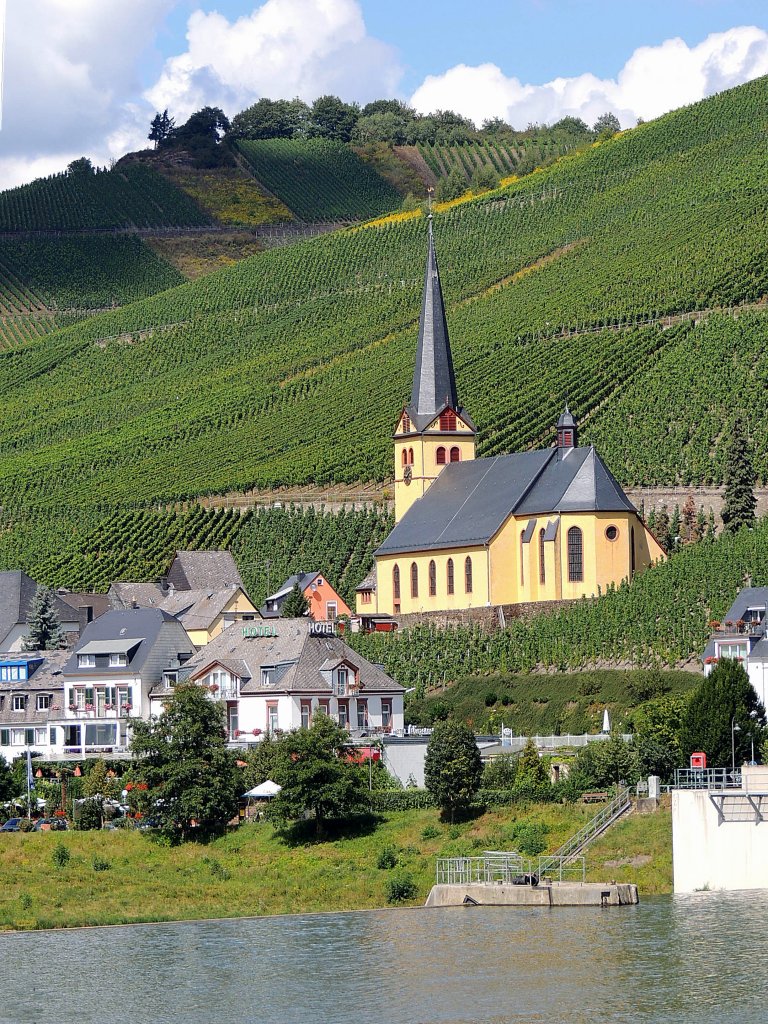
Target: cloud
[70,72]
[654,80]
[284,48]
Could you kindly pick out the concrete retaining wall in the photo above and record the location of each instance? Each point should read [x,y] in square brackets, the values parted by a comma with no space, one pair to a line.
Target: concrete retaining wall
[556,894]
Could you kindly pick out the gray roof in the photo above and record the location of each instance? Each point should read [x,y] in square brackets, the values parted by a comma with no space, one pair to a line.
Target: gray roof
[204,570]
[301,655]
[141,595]
[470,501]
[116,627]
[47,678]
[16,593]
[304,579]
[197,609]
[369,583]
[434,383]
[747,597]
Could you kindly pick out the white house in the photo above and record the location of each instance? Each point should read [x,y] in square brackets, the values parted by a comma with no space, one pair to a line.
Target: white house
[276,675]
[743,636]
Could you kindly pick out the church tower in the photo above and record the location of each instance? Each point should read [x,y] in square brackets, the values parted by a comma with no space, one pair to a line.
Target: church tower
[433,430]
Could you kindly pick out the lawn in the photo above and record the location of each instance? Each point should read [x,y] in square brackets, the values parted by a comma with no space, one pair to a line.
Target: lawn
[123,877]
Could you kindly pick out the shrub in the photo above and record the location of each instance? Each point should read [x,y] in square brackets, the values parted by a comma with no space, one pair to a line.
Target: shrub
[218,870]
[401,800]
[387,858]
[26,901]
[25,825]
[89,816]
[60,855]
[529,837]
[400,887]
[101,864]
[491,698]
[430,832]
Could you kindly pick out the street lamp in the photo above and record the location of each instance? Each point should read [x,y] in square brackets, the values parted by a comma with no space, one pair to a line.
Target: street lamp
[734,729]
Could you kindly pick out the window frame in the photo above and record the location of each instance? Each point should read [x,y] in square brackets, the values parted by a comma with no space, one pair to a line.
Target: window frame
[440,456]
[396,581]
[432,578]
[43,701]
[575,549]
[86,661]
[19,702]
[414,580]
[455,454]
[450,577]
[542,558]
[468,579]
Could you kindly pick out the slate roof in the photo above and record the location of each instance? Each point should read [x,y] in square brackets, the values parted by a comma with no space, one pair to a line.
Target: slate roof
[470,501]
[369,583]
[434,383]
[304,579]
[142,595]
[47,678]
[300,655]
[16,593]
[142,624]
[197,609]
[204,570]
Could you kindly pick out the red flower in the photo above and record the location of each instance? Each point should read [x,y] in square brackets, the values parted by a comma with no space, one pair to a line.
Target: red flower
[142,786]
[128,786]
[257,732]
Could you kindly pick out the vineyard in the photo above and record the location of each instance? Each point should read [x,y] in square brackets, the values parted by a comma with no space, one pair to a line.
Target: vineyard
[288,367]
[320,180]
[501,156]
[130,196]
[661,618]
[88,552]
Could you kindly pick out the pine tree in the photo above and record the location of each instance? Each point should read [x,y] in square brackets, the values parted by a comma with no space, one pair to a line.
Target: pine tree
[45,632]
[663,534]
[701,525]
[295,605]
[739,498]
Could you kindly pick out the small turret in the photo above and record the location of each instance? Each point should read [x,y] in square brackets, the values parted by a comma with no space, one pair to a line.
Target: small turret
[567,430]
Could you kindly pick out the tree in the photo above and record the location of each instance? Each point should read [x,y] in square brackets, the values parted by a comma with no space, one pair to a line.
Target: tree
[330,118]
[501,772]
[296,604]
[496,126]
[8,787]
[606,125]
[739,496]
[192,780]
[571,125]
[45,632]
[453,769]
[531,770]
[316,776]
[724,698]
[484,178]
[452,186]
[602,764]
[271,119]
[161,127]
[674,527]
[81,167]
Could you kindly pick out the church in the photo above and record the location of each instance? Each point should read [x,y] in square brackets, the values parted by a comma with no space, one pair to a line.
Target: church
[547,525]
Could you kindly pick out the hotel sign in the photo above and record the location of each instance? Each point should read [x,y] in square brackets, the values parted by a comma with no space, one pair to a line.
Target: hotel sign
[269,630]
[322,629]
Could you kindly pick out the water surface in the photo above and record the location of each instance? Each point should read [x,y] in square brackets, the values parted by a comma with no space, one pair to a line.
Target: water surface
[686,960]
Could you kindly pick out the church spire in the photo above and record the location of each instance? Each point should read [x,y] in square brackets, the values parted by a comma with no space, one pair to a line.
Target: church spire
[434,384]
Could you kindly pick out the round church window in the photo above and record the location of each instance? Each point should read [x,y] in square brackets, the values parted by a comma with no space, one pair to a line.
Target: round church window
[612,533]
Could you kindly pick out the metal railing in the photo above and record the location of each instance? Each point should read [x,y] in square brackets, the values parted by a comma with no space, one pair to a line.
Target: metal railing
[708,778]
[559,868]
[586,835]
[493,866]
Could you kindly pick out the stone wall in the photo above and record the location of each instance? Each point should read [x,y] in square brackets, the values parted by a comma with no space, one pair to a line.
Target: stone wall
[487,617]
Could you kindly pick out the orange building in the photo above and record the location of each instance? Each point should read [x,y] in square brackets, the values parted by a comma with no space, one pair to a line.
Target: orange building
[325,604]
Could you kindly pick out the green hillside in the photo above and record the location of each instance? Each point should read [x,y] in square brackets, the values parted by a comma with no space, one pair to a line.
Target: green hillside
[289,366]
[125,197]
[318,179]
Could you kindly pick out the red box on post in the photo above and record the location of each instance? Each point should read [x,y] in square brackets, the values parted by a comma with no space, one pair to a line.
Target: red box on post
[699,759]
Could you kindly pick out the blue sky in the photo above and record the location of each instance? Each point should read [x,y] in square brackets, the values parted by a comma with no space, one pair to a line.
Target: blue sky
[84,77]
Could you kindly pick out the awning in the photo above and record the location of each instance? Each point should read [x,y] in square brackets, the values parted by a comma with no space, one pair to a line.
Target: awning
[264,791]
[117,646]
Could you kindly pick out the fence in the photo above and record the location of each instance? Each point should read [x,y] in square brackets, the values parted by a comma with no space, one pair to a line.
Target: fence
[507,868]
[707,778]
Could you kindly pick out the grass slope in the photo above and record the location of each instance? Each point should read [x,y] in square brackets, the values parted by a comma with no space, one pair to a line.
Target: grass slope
[253,872]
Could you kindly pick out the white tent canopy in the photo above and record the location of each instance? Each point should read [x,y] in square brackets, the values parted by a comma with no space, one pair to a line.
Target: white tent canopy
[264,791]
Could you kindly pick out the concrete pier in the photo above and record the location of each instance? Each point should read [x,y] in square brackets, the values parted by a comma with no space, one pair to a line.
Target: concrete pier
[546,894]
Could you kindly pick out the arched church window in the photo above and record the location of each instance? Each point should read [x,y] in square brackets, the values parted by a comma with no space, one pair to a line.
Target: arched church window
[405,456]
[414,580]
[396,582]
[455,455]
[449,573]
[410,456]
[440,456]
[432,579]
[575,555]
[467,575]
[448,420]
[542,559]
[522,558]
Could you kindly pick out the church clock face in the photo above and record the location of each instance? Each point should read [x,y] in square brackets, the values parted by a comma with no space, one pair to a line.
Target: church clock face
[407,474]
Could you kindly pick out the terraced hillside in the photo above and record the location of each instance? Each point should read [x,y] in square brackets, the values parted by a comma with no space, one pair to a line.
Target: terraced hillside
[319,179]
[502,156]
[289,366]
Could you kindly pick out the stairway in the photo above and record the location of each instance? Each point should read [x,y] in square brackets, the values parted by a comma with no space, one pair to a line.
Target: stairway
[586,835]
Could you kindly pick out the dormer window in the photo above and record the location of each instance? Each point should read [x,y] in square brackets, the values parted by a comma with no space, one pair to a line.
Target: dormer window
[86,661]
[406,423]
[170,679]
[268,675]
[118,660]
[448,420]
[342,681]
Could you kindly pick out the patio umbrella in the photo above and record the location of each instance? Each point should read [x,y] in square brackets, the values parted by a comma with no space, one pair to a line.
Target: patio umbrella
[264,791]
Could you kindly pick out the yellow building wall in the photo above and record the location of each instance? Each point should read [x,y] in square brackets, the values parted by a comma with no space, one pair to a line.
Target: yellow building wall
[425,468]
[240,605]
[442,600]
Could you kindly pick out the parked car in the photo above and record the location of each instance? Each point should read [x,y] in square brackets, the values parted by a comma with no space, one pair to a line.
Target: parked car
[50,825]
[12,825]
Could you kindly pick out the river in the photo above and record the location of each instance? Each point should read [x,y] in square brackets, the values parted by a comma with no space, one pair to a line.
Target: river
[694,960]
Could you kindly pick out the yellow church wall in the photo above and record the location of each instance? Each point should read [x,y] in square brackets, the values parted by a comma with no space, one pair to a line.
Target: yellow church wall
[425,467]
[442,600]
